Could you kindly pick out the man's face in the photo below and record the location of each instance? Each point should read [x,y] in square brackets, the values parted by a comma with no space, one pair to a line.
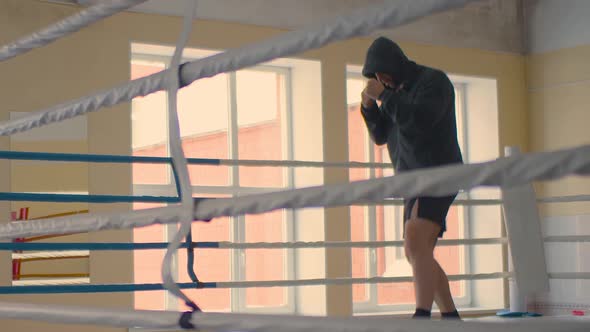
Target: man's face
[385,79]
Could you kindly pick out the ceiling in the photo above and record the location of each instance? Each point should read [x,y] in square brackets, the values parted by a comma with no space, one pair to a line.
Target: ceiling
[486,24]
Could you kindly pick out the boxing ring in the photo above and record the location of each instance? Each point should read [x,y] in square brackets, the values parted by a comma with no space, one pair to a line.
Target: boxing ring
[513,174]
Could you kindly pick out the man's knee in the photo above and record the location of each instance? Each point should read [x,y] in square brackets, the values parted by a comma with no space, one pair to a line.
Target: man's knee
[419,238]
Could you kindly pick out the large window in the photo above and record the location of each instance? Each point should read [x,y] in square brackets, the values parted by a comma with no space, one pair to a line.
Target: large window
[249,114]
[385,222]
[237,115]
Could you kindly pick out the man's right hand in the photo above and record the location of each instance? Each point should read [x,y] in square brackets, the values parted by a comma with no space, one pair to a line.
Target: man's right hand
[367,101]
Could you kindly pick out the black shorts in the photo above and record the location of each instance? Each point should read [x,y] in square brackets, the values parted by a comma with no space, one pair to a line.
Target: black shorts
[432,208]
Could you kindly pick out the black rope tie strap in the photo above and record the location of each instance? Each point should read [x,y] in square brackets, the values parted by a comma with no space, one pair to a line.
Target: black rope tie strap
[190,252]
[185,320]
[185,317]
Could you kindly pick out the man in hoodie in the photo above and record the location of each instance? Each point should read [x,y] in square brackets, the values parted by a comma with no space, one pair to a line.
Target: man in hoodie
[411,108]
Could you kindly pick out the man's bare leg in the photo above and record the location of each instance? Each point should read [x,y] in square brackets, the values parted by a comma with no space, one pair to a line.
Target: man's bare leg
[420,236]
[442,292]
[430,281]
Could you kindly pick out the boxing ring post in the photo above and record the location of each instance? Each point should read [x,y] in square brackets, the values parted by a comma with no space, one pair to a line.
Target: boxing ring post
[526,250]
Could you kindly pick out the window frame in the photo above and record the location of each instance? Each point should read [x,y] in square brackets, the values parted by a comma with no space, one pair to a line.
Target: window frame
[234,189]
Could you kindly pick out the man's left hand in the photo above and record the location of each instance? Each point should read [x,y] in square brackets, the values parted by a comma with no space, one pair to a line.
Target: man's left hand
[374,89]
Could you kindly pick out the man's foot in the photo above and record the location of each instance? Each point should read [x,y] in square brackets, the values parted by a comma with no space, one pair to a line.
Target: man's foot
[421,314]
[454,315]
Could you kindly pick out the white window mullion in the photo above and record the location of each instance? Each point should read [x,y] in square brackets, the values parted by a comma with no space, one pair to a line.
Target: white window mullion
[233,129]
[289,148]
[238,264]
[372,229]
[466,212]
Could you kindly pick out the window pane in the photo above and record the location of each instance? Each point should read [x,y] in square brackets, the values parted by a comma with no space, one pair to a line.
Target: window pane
[358,151]
[266,264]
[262,126]
[203,113]
[149,129]
[147,263]
[360,256]
[354,87]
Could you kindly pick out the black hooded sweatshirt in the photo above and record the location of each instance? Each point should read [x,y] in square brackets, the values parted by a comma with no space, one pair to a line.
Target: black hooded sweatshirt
[418,122]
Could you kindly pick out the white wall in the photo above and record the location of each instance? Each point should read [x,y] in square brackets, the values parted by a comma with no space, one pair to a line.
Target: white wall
[556,24]
[558,33]
[566,295]
[309,223]
[481,102]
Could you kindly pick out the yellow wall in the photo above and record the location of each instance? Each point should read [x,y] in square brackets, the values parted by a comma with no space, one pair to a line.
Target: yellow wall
[98,57]
[559,97]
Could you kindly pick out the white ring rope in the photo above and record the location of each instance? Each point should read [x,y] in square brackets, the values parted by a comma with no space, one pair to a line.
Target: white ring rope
[511,171]
[570,275]
[301,163]
[564,199]
[51,282]
[51,254]
[185,210]
[320,244]
[110,220]
[459,202]
[350,281]
[353,244]
[480,202]
[361,22]
[71,24]
[222,322]
[567,239]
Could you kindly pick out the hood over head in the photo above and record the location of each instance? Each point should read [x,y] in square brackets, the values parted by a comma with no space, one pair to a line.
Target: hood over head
[385,56]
